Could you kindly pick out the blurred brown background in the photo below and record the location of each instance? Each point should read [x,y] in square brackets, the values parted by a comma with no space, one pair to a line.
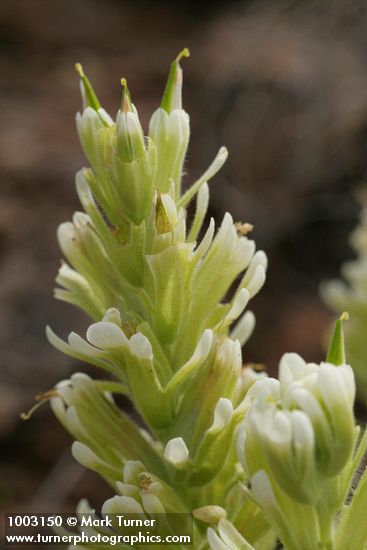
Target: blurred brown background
[282,84]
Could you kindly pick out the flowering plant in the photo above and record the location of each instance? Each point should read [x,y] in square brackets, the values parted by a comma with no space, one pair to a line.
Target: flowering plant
[252,459]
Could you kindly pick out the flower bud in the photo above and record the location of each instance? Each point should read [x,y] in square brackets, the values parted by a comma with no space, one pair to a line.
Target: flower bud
[176,453]
[130,137]
[209,514]
[121,505]
[249,375]
[227,537]
[170,130]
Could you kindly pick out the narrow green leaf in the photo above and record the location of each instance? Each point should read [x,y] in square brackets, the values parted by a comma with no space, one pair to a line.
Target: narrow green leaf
[89,96]
[336,351]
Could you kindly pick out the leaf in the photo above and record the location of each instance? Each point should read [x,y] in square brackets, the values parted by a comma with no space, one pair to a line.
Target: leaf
[336,351]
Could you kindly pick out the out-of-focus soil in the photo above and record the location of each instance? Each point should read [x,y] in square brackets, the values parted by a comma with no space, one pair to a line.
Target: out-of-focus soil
[283,85]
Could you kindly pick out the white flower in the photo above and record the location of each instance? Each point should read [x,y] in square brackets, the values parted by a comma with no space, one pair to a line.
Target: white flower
[228,538]
[121,505]
[301,429]
[129,135]
[223,413]
[176,452]
[209,514]
[244,328]
[106,335]
[263,491]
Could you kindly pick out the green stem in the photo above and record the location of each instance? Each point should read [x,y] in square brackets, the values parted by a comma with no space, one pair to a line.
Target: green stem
[326,520]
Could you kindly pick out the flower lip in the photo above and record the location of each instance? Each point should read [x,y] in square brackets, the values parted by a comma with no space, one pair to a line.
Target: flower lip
[106,335]
[176,452]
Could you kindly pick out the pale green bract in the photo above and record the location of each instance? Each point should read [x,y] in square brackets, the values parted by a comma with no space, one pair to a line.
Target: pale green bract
[252,458]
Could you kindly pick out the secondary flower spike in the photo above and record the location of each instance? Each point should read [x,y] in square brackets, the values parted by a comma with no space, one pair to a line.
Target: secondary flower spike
[349,294]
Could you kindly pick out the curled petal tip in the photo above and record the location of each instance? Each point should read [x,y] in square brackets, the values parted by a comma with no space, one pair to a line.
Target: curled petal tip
[172,96]
[183,53]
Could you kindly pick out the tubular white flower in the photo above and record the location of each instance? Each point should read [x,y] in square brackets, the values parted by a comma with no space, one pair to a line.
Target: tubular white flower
[264,390]
[112,315]
[216,543]
[67,237]
[121,505]
[303,442]
[229,353]
[81,346]
[130,138]
[106,335]
[176,452]
[69,278]
[259,259]
[257,281]
[223,413]
[152,504]
[170,134]
[209,514]
[255,275]
[244,328]
[132,470]
[238,305]
[226,231]
[202,202]
[292,368]
[206,241]
[80,220]
[229,538]
[84,455]
[249,376]
[164,126]
[243,250]
[89,124]
[247,379]
[140,346]
[203,347]
[337,386]
[263,491]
